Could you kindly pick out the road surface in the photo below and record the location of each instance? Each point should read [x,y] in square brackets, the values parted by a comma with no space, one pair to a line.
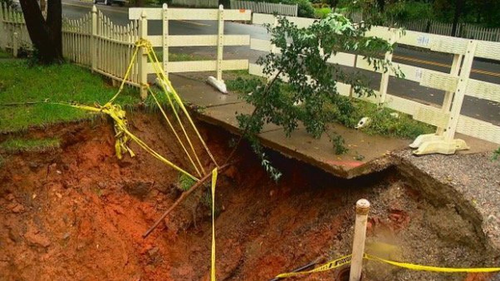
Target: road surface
[482,70]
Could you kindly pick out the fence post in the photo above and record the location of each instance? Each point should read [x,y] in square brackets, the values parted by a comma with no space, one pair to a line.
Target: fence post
[358,245]
[220,42]
[460,92]
[165,38]
[384,82]
[142,58]
[448,96]
[93,40]
[15,44]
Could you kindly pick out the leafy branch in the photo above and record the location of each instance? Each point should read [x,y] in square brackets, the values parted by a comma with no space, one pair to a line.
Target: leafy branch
[303,90]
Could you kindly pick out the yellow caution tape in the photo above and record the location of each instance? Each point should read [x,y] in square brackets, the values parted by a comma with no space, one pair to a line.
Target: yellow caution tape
[176,134]
[347,260]
[123,134]
[432,268]
[325,267]
[214,182]
[161,74]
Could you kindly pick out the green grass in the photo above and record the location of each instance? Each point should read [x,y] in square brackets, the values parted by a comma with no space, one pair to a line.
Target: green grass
[5,55]
[180,56]
[321,13]
[185,182]
[384,124]
[241,81]
[496,154]
[15,145]
[20,84]
[349,112]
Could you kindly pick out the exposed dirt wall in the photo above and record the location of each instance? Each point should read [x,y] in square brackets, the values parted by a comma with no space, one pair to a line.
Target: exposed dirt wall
[78,213]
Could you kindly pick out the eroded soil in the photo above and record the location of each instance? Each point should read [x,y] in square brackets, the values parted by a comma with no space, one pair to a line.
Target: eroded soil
[78,213]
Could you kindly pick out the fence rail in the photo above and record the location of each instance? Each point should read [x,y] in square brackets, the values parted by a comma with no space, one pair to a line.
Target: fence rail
[266,8]
[464,30]
[456,84]
[165,41]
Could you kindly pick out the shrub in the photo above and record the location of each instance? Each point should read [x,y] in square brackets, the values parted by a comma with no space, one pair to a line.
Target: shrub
[306,9]
[322,13]
[409,11]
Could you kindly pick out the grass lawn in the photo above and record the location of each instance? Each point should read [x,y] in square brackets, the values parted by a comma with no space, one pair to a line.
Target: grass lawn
[383,123]
[20,83]
[5,55]
[14,145]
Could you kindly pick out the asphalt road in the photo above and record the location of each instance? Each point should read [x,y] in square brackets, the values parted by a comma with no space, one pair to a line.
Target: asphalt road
[482,70]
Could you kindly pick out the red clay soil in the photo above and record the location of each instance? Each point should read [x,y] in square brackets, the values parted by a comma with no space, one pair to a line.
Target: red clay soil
[78,213]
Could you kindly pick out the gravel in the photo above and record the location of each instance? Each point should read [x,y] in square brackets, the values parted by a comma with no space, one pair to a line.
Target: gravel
[474,177]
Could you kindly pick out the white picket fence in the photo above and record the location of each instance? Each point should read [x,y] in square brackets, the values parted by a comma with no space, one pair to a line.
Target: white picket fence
[266,8]
[456,84]
[96,42]
[13,32]
[196,3]
[165,41]
[469,31]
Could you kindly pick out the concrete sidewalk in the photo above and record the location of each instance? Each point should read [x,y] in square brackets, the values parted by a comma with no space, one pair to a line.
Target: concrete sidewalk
[367,153]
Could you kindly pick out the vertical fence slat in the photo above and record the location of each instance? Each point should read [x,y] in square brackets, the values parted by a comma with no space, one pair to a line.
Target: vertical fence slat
[165,38]
[143,61]
[220,42]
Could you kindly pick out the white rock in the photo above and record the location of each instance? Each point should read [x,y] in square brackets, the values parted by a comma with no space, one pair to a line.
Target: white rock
[364,122]
[395,115]
[219,85]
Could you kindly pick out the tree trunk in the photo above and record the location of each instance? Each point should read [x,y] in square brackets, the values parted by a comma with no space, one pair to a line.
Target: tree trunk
[46,35]
[459,7]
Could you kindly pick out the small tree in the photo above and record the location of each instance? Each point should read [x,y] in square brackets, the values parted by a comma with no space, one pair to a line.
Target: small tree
[45,34]
[303,87]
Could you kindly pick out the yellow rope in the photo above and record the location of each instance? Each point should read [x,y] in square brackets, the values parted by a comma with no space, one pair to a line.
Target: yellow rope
[175,132]
[212,267]
[147,46]
[127,74]
[162,75]
[419,267]
[123,134]
[178,117]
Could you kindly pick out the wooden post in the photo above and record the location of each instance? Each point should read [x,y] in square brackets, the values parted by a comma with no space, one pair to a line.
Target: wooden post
[358,246]
[460,92]
[165,39]
[15,44]
[220,42]
[448,96]
[143,58]
[93,40]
